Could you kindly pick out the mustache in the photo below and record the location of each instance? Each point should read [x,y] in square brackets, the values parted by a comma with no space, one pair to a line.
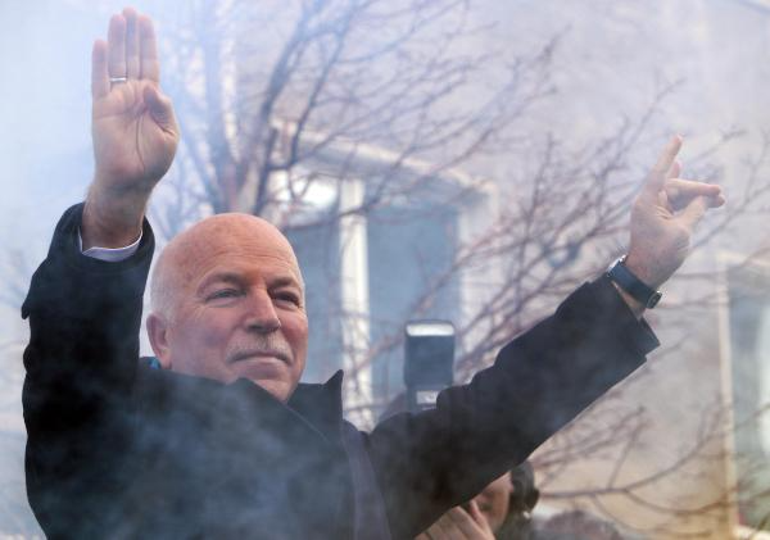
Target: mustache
[270,345]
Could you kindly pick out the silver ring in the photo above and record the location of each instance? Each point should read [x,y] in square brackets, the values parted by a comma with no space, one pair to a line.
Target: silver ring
[116,80]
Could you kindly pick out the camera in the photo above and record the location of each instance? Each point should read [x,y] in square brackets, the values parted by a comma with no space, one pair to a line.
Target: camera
[428,361]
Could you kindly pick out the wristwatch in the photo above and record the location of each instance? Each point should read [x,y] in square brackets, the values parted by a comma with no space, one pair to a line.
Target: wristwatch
[619,273]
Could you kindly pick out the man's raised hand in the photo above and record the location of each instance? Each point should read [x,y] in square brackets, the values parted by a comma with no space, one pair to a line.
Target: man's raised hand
[135,133]
[664,216]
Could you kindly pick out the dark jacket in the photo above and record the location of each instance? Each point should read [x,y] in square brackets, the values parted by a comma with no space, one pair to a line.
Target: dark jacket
[119,450]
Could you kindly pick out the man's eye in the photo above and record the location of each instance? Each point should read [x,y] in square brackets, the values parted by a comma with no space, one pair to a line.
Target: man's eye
[287,297]
[223,293]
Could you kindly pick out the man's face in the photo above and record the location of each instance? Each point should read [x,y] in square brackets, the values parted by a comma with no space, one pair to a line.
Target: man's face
[494,501]
[238,306]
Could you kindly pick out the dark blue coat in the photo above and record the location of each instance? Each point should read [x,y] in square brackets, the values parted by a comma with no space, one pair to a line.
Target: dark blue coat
[119,450]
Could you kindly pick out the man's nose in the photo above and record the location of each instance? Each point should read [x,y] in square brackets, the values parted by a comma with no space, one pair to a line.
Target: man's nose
[261,316]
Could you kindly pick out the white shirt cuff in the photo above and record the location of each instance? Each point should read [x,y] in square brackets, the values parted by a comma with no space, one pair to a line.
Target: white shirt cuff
[109,254]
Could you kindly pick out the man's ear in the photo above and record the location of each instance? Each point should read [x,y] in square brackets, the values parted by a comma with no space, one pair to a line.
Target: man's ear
[157,330]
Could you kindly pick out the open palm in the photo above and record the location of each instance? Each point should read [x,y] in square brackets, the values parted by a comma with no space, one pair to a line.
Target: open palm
[134,129]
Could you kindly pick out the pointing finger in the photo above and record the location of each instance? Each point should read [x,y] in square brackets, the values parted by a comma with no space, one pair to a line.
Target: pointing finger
[660,171]
[116,46]
[675,170]
[100,79]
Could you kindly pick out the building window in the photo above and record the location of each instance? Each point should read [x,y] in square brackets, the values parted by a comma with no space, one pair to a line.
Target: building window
[366,275]
[748,355]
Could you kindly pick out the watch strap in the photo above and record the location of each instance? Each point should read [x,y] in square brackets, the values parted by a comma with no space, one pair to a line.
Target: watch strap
[635,287]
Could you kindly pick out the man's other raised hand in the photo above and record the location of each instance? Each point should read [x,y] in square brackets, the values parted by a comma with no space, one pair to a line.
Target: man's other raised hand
[135,133]
[664,217]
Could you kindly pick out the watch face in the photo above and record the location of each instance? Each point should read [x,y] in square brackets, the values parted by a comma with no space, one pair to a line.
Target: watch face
[654,299]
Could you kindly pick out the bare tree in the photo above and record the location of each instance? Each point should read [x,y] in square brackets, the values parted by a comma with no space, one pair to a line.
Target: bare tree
[367,103]
[610,435]
[270,95]
[281,105]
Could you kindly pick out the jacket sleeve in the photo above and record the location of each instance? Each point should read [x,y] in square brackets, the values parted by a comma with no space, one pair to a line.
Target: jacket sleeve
[429,462]
[84,316]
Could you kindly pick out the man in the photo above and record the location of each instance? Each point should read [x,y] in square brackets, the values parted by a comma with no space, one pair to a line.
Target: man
[223,442]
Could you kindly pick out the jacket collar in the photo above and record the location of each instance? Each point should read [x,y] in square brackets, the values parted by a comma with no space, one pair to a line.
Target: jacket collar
[321,404]
[318,404]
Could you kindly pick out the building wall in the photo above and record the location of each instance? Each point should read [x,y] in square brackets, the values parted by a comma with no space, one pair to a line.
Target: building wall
[612,58]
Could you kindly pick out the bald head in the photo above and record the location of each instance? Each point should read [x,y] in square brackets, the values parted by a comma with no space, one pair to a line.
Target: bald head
[228,302]
[181,257]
